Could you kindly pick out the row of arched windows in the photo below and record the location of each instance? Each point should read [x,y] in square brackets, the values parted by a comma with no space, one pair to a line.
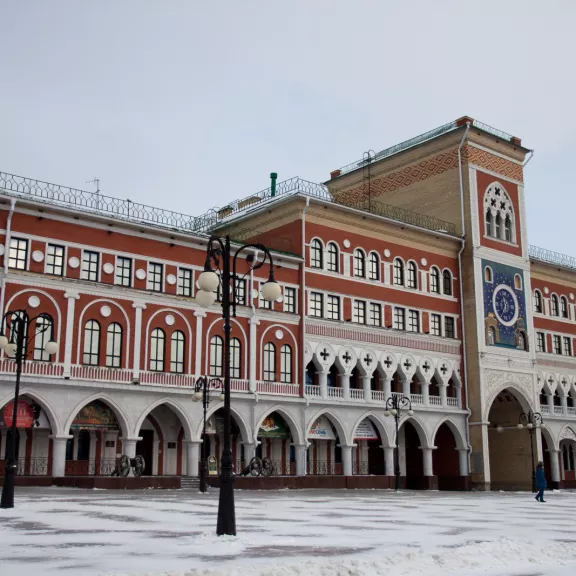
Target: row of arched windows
[499,215]
[558,306]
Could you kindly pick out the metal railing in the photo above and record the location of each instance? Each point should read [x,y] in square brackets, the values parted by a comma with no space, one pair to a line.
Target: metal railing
[320,468]
[360,469]
[32,467]
[550,257]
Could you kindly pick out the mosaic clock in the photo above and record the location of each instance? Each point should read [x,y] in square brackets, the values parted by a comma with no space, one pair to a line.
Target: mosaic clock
[505,305]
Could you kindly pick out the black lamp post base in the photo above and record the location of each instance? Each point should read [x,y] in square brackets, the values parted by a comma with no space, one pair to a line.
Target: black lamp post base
[7,500]
[226,514]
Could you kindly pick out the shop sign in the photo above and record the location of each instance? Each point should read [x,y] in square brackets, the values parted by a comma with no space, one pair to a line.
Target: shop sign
[212,466]
[24,414]
[273,427]
[366,431]
[321,429]
[95,416]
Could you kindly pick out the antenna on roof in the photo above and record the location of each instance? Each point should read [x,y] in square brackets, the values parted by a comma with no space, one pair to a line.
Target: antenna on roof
[97,182]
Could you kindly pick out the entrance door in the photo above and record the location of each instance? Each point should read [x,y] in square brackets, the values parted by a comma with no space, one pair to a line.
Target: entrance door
[375,459]
[145,448]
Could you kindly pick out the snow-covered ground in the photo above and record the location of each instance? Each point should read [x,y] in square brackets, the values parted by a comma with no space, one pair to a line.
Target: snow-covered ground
[312,533]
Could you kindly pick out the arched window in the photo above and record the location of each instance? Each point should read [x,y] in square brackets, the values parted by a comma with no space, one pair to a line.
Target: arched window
[44,327]
[564,307]
[177,344]
[398,272]
[489,223]
[316,254]
[435,280]
[269,362]
[235,356]
[498,227]
[412,280]
[488,276]
[359,263]
[114,345]
[517,282]
[521,341]
[537,301]
[91,354]
[216,356]
[508,228]
[286,364]
[374,272]
[447,277]
[333,257]
[157,348]
[554,305]
[491,336]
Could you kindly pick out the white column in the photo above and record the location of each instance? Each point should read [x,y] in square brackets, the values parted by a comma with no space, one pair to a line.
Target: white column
[443,387]
[425,393]
[192,457]
[198,369]
[129,448]
[463,459]
[71,296]
[427,458]
[405,387]
[75,436]
[59,455]
[386,387]
[254,322]
[138,306]
[345,385]
[249,452]
[389,461]
[300,459]
[156,455]
[555,465]
[550,399]
[323,382]
[538,448]
[564,404]
[459,395]
[347,460]
[366,386]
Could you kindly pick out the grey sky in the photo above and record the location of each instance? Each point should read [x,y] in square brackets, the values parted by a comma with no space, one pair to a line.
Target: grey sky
[188,104]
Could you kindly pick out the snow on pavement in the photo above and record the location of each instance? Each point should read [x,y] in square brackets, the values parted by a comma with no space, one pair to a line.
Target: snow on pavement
[288,533]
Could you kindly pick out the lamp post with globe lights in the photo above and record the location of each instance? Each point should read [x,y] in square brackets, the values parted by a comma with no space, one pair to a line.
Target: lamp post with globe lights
[16,346]
[219,255]
[202,390]
[395,405]
[531,421]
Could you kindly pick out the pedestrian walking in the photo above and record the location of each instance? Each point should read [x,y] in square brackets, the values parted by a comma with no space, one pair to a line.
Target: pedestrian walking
[540,482]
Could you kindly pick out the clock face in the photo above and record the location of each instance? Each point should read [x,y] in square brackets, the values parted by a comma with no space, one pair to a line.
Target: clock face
[505,305]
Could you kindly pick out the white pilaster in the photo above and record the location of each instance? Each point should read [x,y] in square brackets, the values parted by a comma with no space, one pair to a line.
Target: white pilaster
[254,322]
[199,315]
[71,296]
[138,306]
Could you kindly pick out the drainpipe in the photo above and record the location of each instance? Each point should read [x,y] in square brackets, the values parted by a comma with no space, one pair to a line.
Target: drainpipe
[462,320]
[6,253]
[273,178]
[303,299]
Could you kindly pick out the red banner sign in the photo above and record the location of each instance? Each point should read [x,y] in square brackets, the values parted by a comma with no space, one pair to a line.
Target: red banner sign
[24,414]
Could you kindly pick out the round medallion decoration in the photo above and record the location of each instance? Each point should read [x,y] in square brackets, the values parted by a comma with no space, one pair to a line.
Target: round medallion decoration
[105,311]
[169,320]
[571,296]
[546,290]
[387,253]
[73,262]
[505,305]
[1,249]
[33,301]
[171,279]
[140,274]
[37,255]
[108,268]
[424,262]
[279,334]
[346,243]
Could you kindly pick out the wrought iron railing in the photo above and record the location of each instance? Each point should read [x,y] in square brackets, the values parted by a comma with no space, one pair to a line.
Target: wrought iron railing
[32,467]
[360,468]
[551,257]
[90,467]
[320,468]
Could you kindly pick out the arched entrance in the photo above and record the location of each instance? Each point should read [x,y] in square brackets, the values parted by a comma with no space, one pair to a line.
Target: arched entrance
[413,462]
[446,460]
[324,455]
[368,455]
[509,446]
[275,442]
[568,462]
[215,440]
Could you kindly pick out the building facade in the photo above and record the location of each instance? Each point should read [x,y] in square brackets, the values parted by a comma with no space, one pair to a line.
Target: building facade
[408,272]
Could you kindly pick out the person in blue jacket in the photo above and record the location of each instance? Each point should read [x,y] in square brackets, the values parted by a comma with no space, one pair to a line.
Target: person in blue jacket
[540,482]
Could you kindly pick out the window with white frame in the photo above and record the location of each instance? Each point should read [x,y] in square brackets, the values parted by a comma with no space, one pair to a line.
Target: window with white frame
[90,265]
[399,319]
[315,305]
[91,354]
[413,321]
[398,272]
[554,305]
[266,304]
[489,223]
[18,256]
[290,300]
[359,312]
[374,266]
[333,257]
[449,331]
[177,352]
[517,282]
[157,349]
[538,301]
[375,314]
[55,260]
[540,342]
[557,344]
[412,277]
[563,307]
[123,275]
[155,273]
[114,345]
[499,213]
[567,346]
[185,282]
[435,280]
[316,254]
[447,277]
[269,362]
[241,291]
[235,355]
[488,276]
[359,263]
[44,327]
[435,324]
[216,346]
[286,364]
[333,307]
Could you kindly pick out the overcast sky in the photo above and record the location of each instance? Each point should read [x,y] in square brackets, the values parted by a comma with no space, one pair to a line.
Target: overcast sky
[188,105]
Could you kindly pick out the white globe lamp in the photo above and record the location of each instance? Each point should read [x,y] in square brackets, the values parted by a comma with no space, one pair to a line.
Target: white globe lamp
[205,299]
[208,281]
[271,291]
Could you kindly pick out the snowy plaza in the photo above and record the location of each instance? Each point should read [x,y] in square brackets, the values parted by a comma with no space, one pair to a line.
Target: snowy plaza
[68,531]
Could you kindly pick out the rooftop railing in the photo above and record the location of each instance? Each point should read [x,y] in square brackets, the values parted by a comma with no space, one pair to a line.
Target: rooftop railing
[551,257]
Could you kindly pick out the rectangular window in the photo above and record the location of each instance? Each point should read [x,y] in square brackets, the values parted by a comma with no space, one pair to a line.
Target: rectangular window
[55,260]
[449,327]
[567,346]
[541,342]
[90,265]
[413,321]
[155,271]
[18,256]
[123,271]
[241,291]
[333,307]
[316,308]
[266,304]
[290,300]
[435,325]
[375,315]
[359,312]
[185,282]
[399,319]
[557,345]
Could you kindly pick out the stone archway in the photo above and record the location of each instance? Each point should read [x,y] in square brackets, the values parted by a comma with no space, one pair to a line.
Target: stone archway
[446,460]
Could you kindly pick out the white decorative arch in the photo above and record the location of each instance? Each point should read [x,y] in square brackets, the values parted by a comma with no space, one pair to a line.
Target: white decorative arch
[521,393]
[388,363]
[461,443]
[335,420]
[208,336]
[176,407]
[295,348]
[43,402]
[497,201]
[81,329]
[238,418]
[379,423]
[297,435]
[420,429]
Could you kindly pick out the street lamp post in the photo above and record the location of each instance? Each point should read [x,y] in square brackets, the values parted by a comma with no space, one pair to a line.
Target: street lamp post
[218,256]
[531,420]
[202,390]
[395,405]
[16,347]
